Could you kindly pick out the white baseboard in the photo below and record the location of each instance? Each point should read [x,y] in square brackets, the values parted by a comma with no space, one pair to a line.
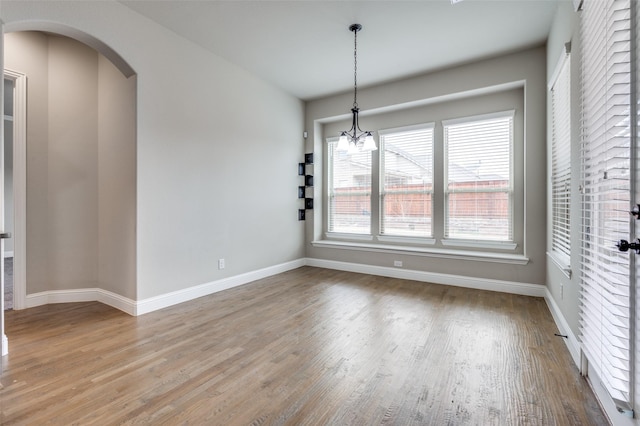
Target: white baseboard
[563,326]
[151,304]
[81,295]
[513,287]
[168,299]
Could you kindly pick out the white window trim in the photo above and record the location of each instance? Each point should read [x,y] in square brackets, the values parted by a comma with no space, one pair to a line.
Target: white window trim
[346,236]
[562,262]
[479,244]
[406,240]
[424,126]
[480,117]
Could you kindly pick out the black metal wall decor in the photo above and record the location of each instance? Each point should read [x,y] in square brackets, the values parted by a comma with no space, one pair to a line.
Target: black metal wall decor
[308,182]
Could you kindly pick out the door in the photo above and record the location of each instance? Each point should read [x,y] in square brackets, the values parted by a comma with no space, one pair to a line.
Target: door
[608,184]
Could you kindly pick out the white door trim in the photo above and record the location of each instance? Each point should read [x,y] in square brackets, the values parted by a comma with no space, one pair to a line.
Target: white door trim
[19,187]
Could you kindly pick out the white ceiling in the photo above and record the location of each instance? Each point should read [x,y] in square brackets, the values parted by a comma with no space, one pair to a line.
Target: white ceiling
[305,47]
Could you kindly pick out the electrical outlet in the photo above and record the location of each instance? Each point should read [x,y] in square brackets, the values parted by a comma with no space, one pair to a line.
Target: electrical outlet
[220,263]
[397,263]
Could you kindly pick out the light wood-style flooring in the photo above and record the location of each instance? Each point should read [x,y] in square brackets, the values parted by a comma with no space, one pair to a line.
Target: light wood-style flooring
[306,347]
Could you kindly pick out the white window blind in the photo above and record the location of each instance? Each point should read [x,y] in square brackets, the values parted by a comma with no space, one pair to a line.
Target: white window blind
[406,168]
[561,161]
[349,191]
[606,137]
[479,177]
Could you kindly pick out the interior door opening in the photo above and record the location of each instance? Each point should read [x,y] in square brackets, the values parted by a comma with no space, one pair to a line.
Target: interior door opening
[9,89]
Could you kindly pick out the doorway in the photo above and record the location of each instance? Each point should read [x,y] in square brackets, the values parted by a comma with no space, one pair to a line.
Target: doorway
[9,89]
[14,202]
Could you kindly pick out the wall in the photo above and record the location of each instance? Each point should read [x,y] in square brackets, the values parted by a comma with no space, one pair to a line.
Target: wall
[36,66]
[116,159]
[72,179]
[525,70]
[217,151]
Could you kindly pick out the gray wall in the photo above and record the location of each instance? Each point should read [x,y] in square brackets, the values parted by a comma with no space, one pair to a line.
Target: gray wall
[85,134]
[36,66]
[525,69]
[216,153]
[564,290]
[116,180]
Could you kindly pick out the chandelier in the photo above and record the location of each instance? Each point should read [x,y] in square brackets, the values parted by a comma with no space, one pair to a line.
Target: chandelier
[356,139]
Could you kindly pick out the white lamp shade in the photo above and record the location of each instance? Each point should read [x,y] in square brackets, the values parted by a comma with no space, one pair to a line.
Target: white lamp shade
[343,143]
[369,143]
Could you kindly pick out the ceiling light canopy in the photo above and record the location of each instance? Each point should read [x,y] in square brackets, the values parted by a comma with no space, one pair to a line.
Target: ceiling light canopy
[356,139]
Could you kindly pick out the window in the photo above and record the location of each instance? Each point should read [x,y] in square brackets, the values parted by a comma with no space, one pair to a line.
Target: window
[561,161]
[406,168]
[478,181]
[349,190]
[435,187]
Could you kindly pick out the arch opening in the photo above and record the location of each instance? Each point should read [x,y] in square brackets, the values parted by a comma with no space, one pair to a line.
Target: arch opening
[81,168]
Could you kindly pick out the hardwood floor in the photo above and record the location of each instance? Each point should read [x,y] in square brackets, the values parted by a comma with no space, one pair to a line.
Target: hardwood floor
[307,347]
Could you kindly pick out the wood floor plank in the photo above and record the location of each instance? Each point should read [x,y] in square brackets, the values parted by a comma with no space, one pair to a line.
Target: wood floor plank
[306,347]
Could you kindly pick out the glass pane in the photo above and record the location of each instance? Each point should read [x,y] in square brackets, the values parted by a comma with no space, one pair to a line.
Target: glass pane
[479,216]
[407,214]
[407,167]
[479,164]
[349,191]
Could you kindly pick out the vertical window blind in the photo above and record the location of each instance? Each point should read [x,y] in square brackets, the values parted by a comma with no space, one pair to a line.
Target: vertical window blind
[406,165]
[561,161]
[349,191]
[606,138]
[479,177]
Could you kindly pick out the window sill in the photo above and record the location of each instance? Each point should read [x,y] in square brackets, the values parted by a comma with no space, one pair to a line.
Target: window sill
[478,256]
[493,245]
[561,261]
[343,236]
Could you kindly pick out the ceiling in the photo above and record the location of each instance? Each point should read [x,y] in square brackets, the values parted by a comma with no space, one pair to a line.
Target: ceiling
[305,47]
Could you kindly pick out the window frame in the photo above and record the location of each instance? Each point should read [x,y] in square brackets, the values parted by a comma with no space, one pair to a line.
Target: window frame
[341,234]
[428,239]
[479,242]
[508,98]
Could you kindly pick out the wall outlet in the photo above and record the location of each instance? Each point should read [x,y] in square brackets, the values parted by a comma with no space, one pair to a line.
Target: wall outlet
[220,263]
[397,263]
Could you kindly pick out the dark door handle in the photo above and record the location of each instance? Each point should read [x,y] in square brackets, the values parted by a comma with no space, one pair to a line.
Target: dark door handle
[4,235]
[624,245]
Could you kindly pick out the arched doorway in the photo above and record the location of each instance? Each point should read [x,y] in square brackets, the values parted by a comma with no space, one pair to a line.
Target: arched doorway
[79,191]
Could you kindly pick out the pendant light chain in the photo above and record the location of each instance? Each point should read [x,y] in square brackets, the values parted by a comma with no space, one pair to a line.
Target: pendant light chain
[355,139]
[355,69]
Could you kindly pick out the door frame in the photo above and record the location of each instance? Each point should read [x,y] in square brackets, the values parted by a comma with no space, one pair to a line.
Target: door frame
[20,191]
[19,186]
